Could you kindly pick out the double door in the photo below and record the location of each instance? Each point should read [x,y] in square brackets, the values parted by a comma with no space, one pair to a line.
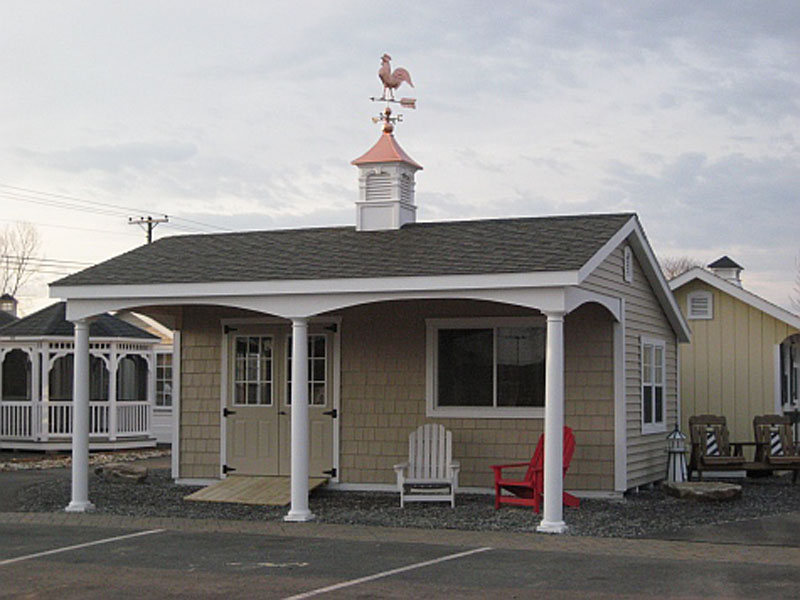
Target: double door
[258,404]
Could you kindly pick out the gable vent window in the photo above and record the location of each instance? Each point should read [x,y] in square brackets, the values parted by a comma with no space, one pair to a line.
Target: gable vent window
[627,264]
[700,305]
[379,187]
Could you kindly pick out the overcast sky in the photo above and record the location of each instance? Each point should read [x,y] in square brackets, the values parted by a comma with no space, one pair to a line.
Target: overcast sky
[246,115]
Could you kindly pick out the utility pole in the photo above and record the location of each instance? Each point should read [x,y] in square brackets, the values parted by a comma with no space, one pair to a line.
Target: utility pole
[148,224]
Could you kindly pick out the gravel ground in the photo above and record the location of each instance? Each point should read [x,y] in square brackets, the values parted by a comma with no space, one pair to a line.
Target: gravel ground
[644,513]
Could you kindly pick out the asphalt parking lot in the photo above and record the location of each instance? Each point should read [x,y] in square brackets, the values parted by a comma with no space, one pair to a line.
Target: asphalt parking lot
[66,560]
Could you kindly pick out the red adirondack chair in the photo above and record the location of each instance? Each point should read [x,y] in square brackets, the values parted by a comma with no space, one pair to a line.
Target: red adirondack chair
[529,491]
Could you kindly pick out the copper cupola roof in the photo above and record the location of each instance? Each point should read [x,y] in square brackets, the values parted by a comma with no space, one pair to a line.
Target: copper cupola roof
[386,149]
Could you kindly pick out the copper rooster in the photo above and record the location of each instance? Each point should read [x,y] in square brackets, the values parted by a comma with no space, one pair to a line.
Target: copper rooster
[392,79]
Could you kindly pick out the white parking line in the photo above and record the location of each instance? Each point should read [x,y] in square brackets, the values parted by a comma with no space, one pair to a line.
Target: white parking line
[9,561]
[344,584]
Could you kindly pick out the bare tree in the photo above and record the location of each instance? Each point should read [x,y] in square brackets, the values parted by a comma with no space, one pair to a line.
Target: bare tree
[19,246]
[672,266]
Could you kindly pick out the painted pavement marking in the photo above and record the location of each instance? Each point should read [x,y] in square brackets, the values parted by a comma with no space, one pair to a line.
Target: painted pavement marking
[9,561]
[360,580]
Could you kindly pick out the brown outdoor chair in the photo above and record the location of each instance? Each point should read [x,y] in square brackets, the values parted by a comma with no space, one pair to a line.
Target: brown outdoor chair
[711,448]
[775,445]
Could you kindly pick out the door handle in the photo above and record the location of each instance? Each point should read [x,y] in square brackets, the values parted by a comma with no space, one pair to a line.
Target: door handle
[282,412]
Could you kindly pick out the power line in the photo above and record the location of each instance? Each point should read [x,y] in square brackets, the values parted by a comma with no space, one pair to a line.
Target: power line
[54,261]
[65,201]
[104,231]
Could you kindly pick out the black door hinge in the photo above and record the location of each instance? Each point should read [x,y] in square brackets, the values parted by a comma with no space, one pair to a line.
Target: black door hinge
[226,469]
[331,472]
[333,413]
[228,329]
[333,328]
[227,412]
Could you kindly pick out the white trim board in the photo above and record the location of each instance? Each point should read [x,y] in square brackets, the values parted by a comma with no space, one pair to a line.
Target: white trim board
[737,292]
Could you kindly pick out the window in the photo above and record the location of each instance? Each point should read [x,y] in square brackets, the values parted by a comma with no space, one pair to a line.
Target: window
[164,379]
[317,369]
[486,367]
[700,305]
[653,396]
[252,377]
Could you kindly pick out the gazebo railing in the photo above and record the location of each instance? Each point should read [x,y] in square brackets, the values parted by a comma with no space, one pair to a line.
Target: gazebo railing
[18,420]
[24,420]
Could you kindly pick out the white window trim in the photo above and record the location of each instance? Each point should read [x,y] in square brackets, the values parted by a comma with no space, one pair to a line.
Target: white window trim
[700,294]
[656,426]
[432,326]
[271,337]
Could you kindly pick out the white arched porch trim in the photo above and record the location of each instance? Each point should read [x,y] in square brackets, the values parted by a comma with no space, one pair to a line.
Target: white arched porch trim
[554,301]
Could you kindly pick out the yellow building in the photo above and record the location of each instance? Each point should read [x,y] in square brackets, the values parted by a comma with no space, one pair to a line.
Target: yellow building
[744,356]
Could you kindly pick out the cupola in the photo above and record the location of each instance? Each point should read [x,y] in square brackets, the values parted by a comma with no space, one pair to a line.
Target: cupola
[8,304]
[385,183]
[728,270]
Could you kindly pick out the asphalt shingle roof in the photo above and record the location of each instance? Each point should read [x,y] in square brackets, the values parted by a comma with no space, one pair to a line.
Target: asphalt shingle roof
[51,322]
[421,249]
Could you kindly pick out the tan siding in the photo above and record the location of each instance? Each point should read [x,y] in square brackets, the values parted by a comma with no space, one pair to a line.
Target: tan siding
[200,389]
[644,316]
[383,396]
[729,367]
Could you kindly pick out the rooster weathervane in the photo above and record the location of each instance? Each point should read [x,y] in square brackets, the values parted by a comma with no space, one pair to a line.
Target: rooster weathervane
[392,80]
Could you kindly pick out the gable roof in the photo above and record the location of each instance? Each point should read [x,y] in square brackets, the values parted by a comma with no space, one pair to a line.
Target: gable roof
[51,322]
[491,246]
[724,263]
[773,310]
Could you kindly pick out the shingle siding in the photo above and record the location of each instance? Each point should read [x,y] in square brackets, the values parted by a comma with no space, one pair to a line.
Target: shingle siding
[644,316]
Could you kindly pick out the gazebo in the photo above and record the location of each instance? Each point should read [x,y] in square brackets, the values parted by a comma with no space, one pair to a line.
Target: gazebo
[36,382]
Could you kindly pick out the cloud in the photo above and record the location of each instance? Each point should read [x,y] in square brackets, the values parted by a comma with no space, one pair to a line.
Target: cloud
[112,157]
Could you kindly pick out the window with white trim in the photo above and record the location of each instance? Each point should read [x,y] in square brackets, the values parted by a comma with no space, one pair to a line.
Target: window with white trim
[486,367]
[252,373]
[164,379]
[700,305]
[653,385]
[317,369]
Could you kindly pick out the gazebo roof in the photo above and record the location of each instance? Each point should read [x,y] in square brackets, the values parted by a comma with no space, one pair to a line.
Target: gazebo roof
[51,322]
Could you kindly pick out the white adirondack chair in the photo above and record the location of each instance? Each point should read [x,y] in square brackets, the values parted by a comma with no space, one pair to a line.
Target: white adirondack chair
[431,474]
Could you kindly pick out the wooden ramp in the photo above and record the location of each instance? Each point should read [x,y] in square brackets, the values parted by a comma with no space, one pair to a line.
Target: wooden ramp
[270,491]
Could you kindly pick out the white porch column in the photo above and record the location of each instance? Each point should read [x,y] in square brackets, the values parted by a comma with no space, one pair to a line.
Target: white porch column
[80,421]
[300,426]
[553,514]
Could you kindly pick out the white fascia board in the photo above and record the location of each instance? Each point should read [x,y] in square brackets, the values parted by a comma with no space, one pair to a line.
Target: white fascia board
[319,286]
[737,292]
[632,230]
[71,338]
[288,306]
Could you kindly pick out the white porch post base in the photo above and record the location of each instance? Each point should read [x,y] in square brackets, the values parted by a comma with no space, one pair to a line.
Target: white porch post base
[298,511]
[80,421]
[553,513]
